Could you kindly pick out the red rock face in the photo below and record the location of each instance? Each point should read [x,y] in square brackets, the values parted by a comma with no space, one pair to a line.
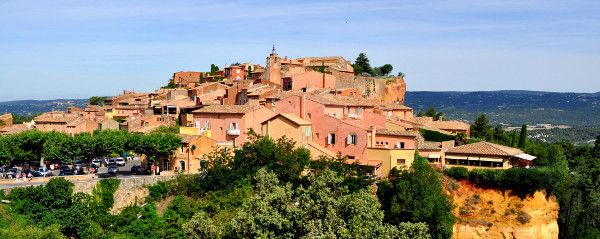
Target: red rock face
[394,91]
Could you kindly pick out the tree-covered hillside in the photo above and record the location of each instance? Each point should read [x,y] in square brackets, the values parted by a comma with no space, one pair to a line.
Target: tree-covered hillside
[512,107]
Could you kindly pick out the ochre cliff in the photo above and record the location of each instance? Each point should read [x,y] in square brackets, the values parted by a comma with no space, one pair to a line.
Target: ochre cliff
[488,213]
[394,91]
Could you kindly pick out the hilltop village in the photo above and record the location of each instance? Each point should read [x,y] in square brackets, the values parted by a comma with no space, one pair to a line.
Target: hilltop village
[318,102]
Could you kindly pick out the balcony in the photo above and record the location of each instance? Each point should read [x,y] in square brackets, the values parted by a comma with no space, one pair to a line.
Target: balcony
[233,132]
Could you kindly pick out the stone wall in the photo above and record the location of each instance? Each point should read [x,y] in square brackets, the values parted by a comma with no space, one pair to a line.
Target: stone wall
[132,190]
[383,89]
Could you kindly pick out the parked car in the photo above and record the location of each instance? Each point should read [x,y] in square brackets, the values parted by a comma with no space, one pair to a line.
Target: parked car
[97,162]
[66,170]
[113,169]
[83,163]
[42,172]
[120,161]
[11,173]
[111,161]
[78,169]
[56,165]
[137,169]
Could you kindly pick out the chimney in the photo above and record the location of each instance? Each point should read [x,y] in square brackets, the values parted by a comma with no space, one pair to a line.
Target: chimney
[323,80]
[373,133]
[303,106]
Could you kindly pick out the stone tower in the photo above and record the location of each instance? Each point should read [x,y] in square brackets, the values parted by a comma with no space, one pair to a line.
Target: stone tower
[273,68]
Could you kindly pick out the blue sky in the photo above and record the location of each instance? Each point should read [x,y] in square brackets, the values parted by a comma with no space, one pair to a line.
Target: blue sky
[76,49]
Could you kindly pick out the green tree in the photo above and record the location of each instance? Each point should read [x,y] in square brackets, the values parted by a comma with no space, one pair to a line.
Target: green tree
[416,195]
[155,145]
[482,128]
[201,80]
[438,115]
[499,134]
[212,69]
[97,100]
[400,74]
[430,112]
[376,71]
[420,114]
[2,123]
[361,65]
[386,69]
[523,137]
[323,209]
[171,84]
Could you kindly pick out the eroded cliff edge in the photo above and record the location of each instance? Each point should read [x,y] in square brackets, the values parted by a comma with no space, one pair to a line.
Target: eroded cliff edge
[491,213]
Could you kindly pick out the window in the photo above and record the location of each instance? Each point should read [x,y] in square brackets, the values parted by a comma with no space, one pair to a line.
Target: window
[233,125]
[238,71]
[317,134]
[181,150]
[272,102]
[331,138]
[486,163]
[206,124]
[350,157]
[400,161]
[498,164]
[473,163]
[307,131]
[221,128]
[359,110]
[309,115]
[451,161]
[351,139]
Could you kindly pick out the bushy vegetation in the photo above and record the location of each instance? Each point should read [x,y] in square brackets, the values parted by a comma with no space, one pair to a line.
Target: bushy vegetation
[269,189]
[59,147]
[415,194]
[430,135]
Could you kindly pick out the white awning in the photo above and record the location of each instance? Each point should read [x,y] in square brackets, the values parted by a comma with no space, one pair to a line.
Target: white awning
[434,156]
[456,157]
[525,156]
[491,159]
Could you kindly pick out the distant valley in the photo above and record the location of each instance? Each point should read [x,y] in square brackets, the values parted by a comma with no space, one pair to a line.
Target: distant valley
[512,108]
[32,107]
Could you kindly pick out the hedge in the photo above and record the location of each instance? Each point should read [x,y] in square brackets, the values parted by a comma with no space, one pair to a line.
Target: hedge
[521,181]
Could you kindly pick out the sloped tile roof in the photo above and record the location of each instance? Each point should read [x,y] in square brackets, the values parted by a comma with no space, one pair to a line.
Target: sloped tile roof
[398,132]
[228,109]
[485,148]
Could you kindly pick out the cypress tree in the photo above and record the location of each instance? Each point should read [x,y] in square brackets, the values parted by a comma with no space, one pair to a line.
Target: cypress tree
[523,137]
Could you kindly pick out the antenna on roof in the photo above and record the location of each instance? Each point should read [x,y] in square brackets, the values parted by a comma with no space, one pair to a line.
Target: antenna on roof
[273,52]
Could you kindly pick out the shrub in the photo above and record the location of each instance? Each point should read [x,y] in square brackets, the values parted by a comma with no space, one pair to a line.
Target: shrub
[435,136]
[157,191]
[457,172]
[523,217]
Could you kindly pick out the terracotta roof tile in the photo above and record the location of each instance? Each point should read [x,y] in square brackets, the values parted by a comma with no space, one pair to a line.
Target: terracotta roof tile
[328,99]
[228,109]
[485,148]
[391,106]
[398,132]
[431,145]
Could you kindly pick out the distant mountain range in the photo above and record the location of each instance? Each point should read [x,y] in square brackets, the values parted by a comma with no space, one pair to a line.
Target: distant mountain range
[31,107]
[512,107]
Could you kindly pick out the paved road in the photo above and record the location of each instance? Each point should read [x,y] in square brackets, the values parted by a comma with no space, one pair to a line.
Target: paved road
[124,172]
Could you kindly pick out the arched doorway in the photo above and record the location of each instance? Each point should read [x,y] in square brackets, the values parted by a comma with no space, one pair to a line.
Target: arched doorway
[182,165]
